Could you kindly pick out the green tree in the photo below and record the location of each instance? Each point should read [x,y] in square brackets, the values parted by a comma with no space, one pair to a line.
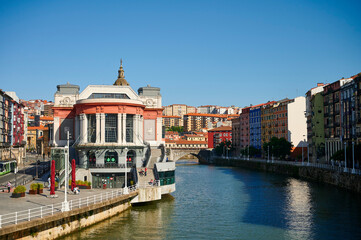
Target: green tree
[252,151]
[278,147]
[176,129]
[222,147]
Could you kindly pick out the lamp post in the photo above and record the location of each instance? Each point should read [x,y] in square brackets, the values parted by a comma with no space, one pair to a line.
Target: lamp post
[272,154]
[126,191]
[248,152]
[308,155]
[65,205]
[345,170]
[353,157]
[302,150]
[268,154]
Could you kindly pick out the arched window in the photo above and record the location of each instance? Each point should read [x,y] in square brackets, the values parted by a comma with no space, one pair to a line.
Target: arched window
[91,158]
[130,158]
[111,157]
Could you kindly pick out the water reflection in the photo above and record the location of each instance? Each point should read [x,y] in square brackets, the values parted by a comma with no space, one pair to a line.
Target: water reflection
[230,203]
[145,221]
[298,209]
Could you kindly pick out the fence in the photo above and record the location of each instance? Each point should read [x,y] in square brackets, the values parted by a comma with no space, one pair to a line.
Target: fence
[40,212]
[331,167]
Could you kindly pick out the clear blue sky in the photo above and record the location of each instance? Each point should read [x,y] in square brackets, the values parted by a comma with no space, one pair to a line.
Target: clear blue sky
[198,52]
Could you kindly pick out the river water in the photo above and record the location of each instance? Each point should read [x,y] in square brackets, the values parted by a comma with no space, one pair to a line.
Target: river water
[231,203]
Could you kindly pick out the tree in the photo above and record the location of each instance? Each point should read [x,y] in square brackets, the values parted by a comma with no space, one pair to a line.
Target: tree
[252,151]
[222,147]
[278,147]
[176,129]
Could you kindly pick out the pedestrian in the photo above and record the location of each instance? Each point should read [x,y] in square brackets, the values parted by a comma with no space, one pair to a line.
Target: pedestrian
[49,182]
[9,186]
[145,172]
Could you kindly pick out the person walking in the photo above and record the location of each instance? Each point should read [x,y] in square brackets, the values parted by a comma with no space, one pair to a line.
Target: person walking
[9,186]
[145,172]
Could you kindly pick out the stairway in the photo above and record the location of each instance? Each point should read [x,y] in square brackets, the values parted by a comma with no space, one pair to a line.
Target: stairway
[143,181]
[155,154]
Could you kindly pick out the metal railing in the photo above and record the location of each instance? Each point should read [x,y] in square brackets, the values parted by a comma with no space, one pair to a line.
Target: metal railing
[331,167]
[40,212]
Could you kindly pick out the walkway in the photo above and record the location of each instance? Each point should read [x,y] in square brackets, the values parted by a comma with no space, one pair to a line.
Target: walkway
[331,167]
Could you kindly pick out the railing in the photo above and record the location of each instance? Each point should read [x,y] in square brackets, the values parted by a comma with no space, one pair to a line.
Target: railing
[40,212]
[156,183]
[331,167]
[110,165]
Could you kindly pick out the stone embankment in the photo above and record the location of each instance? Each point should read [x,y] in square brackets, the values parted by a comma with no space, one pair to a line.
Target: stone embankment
[337,178]
[63,223]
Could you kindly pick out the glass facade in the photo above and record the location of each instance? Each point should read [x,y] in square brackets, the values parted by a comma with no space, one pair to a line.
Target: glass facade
[109,95]
[91,128]
[129,128]
[111,127]
[108,180]
[166,178]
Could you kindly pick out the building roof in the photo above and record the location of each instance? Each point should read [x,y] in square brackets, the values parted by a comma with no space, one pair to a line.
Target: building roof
[44,118]
[164,116]
[121,79]
[222,128]
[190,142]
[208,115]
[38,128]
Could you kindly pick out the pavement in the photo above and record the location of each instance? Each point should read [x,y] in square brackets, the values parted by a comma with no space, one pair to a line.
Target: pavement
[11,205]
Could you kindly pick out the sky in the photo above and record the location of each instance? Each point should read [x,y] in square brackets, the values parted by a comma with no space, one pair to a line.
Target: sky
[198,52]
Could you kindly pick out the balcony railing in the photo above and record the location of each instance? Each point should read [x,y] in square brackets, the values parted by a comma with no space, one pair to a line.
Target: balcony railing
[110,165]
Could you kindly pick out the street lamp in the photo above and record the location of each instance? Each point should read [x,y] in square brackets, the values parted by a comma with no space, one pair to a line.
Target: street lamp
[302,149]
[65,205]
[126,191]
[248,152]
[268,154]
[353,157]
[308,155]
[345,170]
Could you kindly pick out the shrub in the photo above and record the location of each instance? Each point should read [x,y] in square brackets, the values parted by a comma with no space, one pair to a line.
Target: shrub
[20,189]
[34,186]
[40,186]
[89,183]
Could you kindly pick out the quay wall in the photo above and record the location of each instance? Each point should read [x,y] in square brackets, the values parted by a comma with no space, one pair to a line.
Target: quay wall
[60,224]
[340,179]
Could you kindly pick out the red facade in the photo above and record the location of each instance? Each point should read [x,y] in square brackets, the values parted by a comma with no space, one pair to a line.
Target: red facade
[218,135]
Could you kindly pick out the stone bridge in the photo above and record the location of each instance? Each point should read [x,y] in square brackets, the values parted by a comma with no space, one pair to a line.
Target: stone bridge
[174,154]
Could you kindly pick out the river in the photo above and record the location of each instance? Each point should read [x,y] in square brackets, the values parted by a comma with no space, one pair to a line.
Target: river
[231,203]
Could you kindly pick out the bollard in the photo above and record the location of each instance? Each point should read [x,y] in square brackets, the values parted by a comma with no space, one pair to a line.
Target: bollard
[16,217]
[29,215]
[52,209]
[41,212]
[87,201]
[0,221]
[94,199]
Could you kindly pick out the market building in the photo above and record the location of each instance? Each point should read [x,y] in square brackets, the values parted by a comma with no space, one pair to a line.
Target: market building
[113,132]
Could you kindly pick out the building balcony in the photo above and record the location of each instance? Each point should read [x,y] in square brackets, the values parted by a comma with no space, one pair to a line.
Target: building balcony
[110,165]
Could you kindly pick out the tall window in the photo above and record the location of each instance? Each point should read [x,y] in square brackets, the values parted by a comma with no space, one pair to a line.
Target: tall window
[111,157]
[66,126]
[129,128]
[91,128]
[110,127]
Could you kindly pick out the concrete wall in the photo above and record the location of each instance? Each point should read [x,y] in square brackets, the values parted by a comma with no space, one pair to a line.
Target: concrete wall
[60,224]
[344,180]
[148,195]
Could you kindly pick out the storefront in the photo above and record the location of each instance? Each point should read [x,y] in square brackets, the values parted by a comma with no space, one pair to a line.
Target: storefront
[109,180]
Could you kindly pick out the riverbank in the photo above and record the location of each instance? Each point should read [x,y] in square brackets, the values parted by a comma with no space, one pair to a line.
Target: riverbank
[341,179]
